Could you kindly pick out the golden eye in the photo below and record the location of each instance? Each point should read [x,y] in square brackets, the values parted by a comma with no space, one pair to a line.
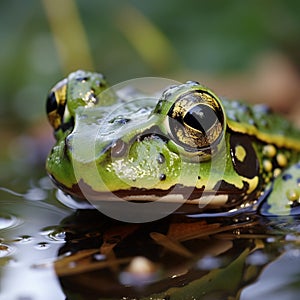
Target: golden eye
[196,121]
[56,104]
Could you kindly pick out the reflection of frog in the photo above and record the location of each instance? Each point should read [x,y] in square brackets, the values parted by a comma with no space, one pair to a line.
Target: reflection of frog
[173,258]
[189,139]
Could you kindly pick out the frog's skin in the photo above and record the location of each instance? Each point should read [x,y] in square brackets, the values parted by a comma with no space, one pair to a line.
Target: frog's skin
[143,151]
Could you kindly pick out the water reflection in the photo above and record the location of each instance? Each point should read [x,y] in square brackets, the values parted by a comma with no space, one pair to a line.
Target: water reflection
[174,258]
[51,252]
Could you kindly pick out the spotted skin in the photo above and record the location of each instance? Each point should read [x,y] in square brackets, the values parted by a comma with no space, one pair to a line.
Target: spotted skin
[285,196]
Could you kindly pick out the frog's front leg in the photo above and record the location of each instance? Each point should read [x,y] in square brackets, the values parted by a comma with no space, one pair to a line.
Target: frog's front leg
[284,198]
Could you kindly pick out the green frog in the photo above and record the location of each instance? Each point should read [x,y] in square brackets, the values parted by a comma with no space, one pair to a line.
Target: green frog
[212,156]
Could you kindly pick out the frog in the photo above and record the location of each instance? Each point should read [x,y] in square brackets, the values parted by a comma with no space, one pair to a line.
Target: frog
[212,155]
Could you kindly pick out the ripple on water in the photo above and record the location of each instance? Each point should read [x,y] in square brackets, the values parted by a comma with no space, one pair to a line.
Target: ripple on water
[8,221]
[35,194]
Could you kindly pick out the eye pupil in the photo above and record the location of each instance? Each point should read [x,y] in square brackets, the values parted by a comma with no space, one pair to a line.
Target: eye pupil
[51,103]
[200,117]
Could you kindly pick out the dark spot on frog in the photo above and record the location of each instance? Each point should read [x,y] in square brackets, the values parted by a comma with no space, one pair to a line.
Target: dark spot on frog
[162,177]
[161,158]
[249,167]
[118,148]
[199,177]
[286,177]
[82,79]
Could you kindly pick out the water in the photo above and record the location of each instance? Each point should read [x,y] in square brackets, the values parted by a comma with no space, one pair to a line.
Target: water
[22,245]
[48,251]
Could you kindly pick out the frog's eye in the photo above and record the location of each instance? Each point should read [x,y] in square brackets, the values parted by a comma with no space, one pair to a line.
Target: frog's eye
[196,122]
[56,104]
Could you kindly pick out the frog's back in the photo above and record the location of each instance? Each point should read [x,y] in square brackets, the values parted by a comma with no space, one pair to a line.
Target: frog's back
[259,121]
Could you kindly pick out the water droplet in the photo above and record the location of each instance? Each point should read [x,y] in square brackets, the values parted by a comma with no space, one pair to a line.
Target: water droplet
[54,234]
[5,250]
[58,236]
[42,246]
[24,239]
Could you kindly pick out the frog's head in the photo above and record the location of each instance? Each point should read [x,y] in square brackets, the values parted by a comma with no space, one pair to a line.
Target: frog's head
[174,147]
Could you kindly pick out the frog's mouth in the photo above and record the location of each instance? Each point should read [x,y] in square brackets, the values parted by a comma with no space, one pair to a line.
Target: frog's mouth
[195,200]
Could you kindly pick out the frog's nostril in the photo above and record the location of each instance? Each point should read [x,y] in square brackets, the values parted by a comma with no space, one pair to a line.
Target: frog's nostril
[118,148]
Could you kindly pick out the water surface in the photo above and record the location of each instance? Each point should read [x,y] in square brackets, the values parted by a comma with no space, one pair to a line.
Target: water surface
[49,251]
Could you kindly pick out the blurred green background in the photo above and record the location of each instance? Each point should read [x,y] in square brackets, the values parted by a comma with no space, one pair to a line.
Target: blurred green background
[244,49]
